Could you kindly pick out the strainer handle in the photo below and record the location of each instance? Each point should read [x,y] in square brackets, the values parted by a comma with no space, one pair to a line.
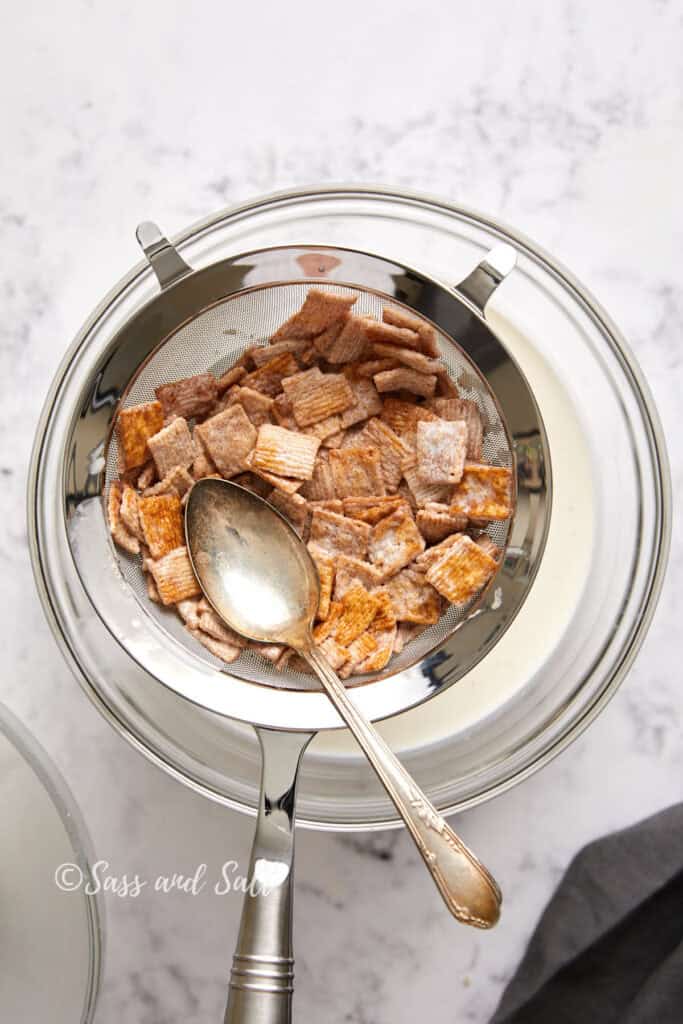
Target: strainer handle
[479,286]
[262,977]
[163,258]
[469,891]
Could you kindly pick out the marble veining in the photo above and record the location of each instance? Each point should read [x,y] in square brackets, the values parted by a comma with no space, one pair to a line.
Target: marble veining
[564,120]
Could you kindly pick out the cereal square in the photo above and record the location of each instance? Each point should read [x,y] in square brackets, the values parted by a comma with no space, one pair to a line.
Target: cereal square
[405,379]
[193,396]
[325,397]
[383,333]
[394,542]
[356,472]
[347,344]
[413,598]
[399,318]
[334,440]
[410,358]
[434,554]
[467,411]
[301,383]
[441,448]
[339,535]
[285,452]
[147,477]
[162,523]
[326,628]
[358,609]
[320,309]
[351,571]
[329,505]
[335,654]
[435,522]
[172,447]
[484,492]
[358,652]
[403,417]
[152,589]
[382,629]
[134,427]
[287,484]
[221,649]
[228,439]
[188,610]
[462,572]
[122,536]
[271,652]
[130,511]
[282,412]
[174,577]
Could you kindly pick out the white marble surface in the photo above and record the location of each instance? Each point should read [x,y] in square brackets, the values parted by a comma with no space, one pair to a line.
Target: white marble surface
[565,119]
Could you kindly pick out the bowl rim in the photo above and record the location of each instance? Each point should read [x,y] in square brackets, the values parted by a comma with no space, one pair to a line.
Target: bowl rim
[620,348]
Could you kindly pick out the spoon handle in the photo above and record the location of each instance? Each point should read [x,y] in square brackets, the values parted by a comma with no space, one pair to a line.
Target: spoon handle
[469,891]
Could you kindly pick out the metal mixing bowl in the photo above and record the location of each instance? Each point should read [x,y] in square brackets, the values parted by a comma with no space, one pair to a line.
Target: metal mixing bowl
[587,609]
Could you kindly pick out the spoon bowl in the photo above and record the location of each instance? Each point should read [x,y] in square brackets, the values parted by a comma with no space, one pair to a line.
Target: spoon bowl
[250,563]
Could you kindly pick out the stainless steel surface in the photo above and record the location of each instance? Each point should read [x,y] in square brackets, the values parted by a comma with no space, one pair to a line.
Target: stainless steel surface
[260,578]
[262,977]
[564,693]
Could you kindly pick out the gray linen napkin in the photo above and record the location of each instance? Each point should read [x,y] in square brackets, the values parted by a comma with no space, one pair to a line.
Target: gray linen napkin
[609,946]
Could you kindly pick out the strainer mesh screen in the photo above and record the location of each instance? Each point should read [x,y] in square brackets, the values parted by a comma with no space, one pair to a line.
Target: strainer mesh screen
[213,341]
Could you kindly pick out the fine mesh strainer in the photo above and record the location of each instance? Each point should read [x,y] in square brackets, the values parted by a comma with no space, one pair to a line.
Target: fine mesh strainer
[214,340]
[202,320]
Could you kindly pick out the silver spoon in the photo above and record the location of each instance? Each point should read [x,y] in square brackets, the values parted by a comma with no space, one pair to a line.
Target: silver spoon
[260,578]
